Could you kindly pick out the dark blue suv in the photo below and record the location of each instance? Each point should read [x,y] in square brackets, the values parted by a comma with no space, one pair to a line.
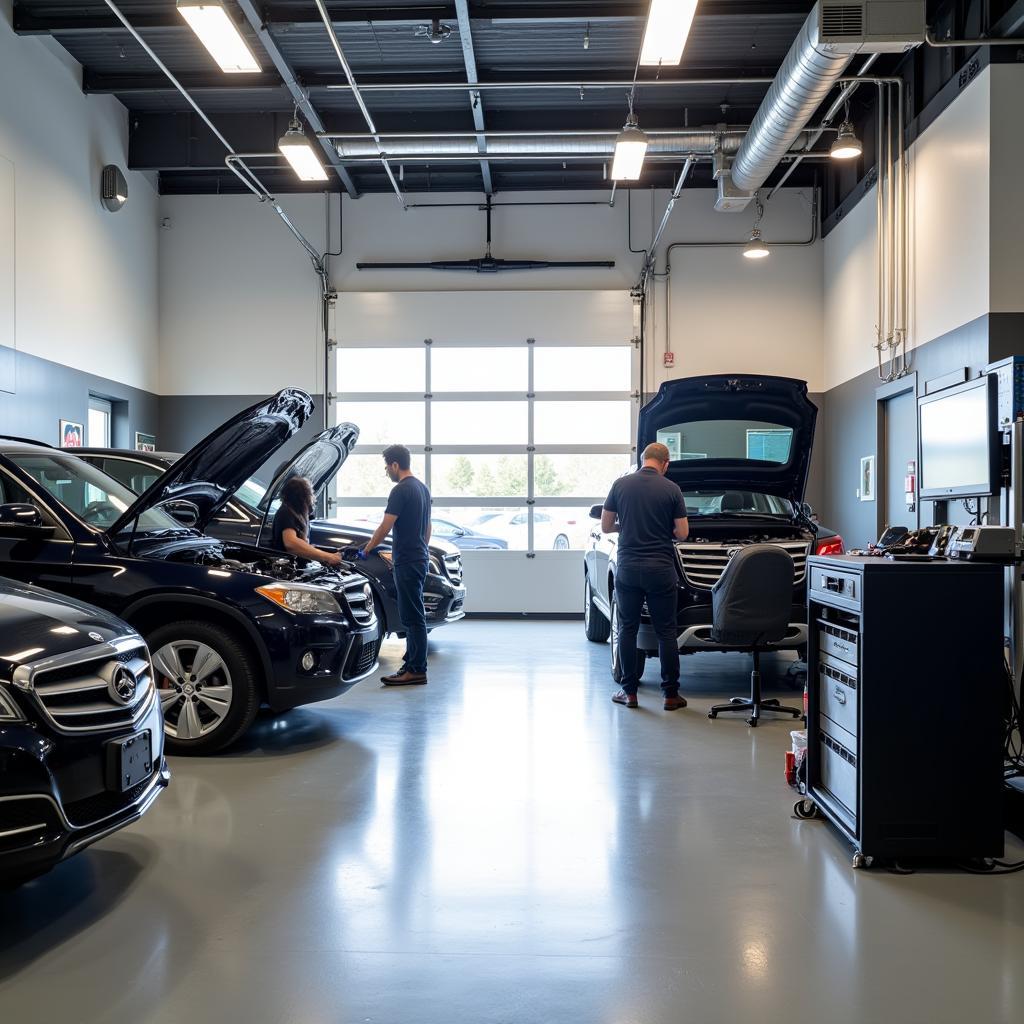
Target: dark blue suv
[230,626]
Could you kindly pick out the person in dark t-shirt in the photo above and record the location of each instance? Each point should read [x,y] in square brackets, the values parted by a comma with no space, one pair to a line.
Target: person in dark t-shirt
[291,523]
[407,517]
[649,513]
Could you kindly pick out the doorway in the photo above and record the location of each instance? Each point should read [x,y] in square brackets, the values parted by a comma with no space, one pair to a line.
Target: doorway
[896,447]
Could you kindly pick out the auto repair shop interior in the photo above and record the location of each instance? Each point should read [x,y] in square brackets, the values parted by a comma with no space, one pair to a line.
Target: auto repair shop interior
[249,241]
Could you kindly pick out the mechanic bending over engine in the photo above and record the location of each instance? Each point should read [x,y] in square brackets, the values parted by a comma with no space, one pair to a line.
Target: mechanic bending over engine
[649,514]
[291,523]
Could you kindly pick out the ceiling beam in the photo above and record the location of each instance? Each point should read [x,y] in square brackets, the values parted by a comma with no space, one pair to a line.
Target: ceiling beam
[30,20]
[298,94]
[475,100]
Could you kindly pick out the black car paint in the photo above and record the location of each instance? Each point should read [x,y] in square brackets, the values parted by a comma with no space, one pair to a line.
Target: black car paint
[776,399]
[149,580]
[51,778]
[240,523]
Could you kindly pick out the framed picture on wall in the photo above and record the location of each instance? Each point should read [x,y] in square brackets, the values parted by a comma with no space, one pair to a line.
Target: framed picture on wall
[145,442]
[72,435]
[867,478]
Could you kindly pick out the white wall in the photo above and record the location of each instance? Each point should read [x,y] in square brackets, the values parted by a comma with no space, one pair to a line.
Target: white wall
[86,280]
[949,241]
[1006,171]
[238,298]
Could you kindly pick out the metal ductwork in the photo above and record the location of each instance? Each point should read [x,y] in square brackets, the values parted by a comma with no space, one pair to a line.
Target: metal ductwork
[808,73]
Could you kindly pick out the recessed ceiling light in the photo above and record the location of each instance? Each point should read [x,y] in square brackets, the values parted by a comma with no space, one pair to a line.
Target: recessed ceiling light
[668,25]
[219,34]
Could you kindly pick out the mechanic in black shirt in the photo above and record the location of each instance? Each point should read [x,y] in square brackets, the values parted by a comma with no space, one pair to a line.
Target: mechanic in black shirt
[408,515]
[291,523]
[649,513]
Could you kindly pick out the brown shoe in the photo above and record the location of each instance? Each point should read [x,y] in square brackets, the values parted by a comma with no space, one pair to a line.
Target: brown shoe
[404,678]
[627,699]
[675,703]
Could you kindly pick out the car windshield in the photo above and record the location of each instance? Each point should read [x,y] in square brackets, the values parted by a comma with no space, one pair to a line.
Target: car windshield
[717,502]
[251,492]
[97,499]
[750,440]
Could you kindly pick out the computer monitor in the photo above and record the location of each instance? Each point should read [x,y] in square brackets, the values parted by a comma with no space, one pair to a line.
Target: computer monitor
[959,441]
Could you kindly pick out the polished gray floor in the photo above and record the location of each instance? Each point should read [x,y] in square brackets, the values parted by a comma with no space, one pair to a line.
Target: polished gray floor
[503,846]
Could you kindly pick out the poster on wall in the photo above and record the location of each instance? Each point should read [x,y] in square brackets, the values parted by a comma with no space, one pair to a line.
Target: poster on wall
[867,478]
[145,442]
[71,434]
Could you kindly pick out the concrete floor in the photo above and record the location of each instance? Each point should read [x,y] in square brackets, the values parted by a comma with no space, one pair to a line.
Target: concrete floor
[503,846]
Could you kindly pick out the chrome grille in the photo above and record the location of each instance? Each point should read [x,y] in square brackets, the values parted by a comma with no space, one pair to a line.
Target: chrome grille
[453,568]
[359,598]
[703,564]
[78,693]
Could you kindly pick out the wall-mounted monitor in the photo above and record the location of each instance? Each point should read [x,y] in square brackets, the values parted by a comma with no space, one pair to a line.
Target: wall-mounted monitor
[960,442]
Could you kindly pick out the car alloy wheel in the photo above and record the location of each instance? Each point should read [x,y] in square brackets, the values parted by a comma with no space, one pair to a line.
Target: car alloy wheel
[195,688]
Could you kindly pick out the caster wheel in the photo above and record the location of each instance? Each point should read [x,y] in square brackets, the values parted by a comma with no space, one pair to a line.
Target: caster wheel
[859,861]
[712,715]
[752,722]
[805,809]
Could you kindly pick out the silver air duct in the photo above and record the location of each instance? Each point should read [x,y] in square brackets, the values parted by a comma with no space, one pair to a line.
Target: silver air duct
[808,73]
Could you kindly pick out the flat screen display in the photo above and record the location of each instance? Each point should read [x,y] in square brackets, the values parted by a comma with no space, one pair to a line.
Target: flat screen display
[958,442]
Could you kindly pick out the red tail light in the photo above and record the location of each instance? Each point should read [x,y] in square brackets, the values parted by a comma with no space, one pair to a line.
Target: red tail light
[832,546]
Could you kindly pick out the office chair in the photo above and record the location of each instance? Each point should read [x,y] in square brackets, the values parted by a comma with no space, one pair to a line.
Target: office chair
[751,605]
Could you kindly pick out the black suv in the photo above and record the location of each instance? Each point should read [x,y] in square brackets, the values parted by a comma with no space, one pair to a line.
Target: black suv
[741,451]
[81,736]
[229,625]
[242,521]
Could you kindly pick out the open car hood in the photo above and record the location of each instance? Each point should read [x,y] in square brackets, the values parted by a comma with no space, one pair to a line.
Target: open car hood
[319,461]
[757,400]
[215,468]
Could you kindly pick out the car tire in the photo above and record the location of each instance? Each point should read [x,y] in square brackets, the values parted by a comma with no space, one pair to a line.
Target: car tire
[231,665]
[641,656]
[595,625]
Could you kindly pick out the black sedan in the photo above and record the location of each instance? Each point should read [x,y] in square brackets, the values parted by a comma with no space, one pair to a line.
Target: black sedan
[81,734]
[230,626]
[247,516]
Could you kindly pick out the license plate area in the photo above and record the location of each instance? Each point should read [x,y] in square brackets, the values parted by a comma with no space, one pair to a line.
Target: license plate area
[129,761]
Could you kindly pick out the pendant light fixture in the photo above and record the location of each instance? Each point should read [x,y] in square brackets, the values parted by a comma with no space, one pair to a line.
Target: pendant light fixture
[846,146]
[756,249]
[630,149]
[298,151]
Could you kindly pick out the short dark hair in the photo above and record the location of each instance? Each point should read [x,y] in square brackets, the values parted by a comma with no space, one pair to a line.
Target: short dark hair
[297,494]
[397,453]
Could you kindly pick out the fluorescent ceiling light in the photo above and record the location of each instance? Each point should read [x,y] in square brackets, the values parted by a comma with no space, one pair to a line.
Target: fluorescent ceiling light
[847,145]
[668,25]
[298,151]
[756,249]
[219,34]
[630,150]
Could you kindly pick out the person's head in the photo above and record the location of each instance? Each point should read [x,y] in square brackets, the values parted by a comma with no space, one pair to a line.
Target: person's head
[297,494]
[397,461]
[656,457]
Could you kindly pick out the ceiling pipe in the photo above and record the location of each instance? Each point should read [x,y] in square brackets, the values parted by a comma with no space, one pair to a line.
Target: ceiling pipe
[807,75]
[582,84]
[929,38]
[355,92]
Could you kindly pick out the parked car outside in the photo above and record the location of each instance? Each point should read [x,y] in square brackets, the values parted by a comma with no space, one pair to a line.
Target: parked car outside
[81,734]
[230,626]
[549,533]
[464,537]
[747,442]
[247,517]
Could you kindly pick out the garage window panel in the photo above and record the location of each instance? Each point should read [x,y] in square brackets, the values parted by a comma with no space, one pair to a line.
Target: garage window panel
[479,476]
[565,368]
[478,423]
[382,369]
[364,476]
[382,423]
[581,422]
[478,369]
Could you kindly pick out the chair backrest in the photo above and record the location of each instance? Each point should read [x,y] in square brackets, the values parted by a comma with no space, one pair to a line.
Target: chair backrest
[752,601]
[732,501]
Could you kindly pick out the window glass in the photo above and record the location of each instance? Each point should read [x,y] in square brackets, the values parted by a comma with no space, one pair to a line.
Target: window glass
[561,529]
[581,422]
[728,439]
[714,502]
[363,476]
[478,476]
[134,475]
[556,476]
[384,423]
[582,369]
[479,423]
[360,518]
[479,369]
[382,369]
[12,493]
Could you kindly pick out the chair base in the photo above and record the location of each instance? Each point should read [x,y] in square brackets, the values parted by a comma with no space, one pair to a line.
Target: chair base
[754,704]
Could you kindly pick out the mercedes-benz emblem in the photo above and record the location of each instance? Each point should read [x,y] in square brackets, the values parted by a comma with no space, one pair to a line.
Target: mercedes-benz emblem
[98,637]
[124,685]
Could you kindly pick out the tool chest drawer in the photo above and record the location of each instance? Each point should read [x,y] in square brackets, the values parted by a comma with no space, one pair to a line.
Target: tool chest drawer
[839,774]
[837,641]
[837,696]
[835,582]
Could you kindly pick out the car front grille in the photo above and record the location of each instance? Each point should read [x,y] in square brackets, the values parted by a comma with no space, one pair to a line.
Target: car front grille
[453,568]
[359,600]
[95,808]
[90,692]
[27,821]
[703,564]
[361,659]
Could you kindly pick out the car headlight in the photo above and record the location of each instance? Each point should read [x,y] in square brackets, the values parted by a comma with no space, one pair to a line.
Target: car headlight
[8,709]
[294,597]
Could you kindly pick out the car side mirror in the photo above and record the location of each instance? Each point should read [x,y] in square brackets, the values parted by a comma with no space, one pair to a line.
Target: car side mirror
[184,512]
[19,519]
[458,532]
[595,511]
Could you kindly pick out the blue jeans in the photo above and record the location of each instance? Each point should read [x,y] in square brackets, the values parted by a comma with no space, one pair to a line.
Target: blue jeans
[660,587]
[409,580]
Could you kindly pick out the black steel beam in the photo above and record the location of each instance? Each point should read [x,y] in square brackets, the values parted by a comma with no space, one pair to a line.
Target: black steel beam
[475,100]
[29,20]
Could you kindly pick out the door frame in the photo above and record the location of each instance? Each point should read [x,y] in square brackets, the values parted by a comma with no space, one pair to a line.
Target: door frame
[883,394]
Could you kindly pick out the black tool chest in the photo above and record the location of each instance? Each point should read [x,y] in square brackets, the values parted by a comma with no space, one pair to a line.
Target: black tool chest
[906,691]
